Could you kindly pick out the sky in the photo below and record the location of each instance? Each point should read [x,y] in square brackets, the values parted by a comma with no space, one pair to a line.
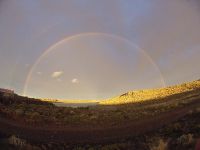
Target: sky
[96,49]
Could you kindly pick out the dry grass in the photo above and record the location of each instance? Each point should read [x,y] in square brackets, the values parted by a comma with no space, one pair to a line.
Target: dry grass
[145,95]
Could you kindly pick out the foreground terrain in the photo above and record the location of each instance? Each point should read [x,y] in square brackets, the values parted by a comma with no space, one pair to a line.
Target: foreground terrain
[151,119]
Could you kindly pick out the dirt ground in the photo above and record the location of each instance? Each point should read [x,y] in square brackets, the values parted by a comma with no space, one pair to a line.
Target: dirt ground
[88,134]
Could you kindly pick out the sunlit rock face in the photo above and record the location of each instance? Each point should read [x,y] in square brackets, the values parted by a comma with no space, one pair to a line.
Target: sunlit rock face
[92,66]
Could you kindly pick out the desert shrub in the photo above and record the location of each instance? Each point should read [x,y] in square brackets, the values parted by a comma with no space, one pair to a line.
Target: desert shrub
[111,147]
[176,126]
[35,115]
[198,109]
[13,140]
[79,148]
[72,119]
[117,116]
[160,145]
[198,126]
[19,112]
[186,139]
[91,148]
[33,106]
[174,130]
[59,115]
[45,112]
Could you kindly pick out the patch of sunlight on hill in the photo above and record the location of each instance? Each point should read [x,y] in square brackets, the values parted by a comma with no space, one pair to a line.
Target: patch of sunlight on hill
[70,101]
[144,95]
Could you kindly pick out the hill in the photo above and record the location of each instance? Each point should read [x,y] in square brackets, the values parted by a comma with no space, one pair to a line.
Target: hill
[146,119]
[152,94]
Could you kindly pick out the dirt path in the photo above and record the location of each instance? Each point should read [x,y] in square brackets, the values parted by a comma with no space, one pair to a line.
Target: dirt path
[92,134]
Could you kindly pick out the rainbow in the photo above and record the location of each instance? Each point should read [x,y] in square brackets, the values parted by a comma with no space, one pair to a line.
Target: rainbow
[67,39]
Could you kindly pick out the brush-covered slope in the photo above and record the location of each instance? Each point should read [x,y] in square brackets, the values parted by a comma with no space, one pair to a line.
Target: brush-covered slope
[152,94]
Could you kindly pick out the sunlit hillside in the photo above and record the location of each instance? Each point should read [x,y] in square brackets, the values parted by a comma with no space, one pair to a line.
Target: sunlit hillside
[144,95]
[70,101]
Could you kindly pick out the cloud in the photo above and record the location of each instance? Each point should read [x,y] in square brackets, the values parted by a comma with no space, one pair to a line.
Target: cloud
[75,81]
[56,74]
